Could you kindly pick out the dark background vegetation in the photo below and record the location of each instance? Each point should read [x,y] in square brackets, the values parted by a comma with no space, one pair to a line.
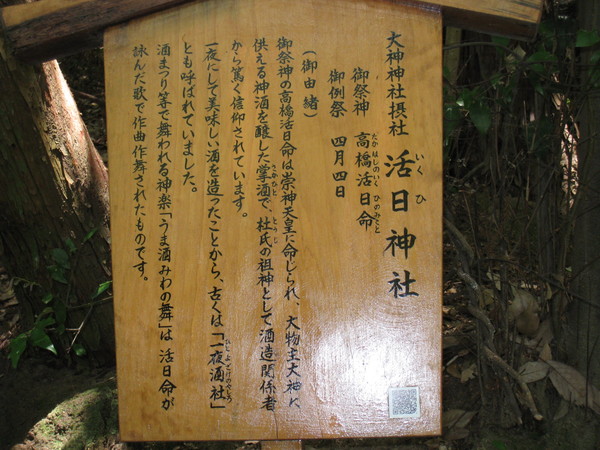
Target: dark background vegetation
[521,255]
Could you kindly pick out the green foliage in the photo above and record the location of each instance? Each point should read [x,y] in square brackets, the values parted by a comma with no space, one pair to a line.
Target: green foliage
[36,337]
[512,118]
[587,38]
[17,347]
[102,288]
[469,103]
[51,323]
[61,267]
[499,445]
[478,110]
[543,65]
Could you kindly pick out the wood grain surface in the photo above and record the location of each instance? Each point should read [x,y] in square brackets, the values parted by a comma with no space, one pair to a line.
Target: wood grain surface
[277,255]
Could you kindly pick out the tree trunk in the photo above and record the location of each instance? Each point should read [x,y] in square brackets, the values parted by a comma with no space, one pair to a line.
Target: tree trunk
[583,339]
[53,195]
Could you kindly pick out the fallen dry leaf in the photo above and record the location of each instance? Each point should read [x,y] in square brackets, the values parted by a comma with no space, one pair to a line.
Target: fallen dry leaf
[457,418]
[453,370]
[468,373]
[546,353]
[572,386]
[455,423]
[533,371]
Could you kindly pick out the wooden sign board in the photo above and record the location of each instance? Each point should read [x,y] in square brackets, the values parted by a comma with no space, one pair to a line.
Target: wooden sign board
[276,192]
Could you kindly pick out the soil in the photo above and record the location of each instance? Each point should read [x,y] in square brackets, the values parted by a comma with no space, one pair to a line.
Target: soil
[47,406]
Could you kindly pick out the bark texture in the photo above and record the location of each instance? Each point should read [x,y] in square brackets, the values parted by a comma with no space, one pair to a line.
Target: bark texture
[53,187]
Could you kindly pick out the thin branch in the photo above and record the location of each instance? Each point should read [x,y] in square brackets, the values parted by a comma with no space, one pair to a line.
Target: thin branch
[461,240]
[91,304]
[88,96]
[483,44]
[85,319]
[528,399]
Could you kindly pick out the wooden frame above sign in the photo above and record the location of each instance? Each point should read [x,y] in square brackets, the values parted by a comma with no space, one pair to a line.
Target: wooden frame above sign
[52,28]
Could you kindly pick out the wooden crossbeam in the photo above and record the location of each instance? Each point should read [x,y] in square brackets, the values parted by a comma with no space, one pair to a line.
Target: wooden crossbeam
[53,28]
[49,29]
[512,18]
